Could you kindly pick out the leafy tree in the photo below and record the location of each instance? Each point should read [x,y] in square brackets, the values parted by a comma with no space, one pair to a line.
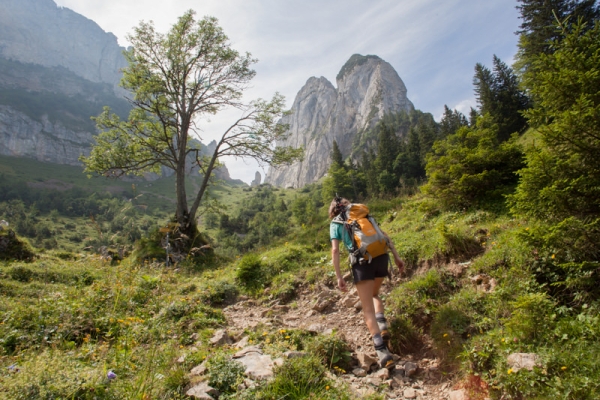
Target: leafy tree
[176,78]
[472,168]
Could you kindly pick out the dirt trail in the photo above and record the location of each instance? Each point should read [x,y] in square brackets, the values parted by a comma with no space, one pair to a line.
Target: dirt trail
[341,315]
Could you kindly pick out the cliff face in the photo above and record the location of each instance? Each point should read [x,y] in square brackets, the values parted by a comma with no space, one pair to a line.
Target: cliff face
[42,140]
[367,88]
[57,69]
[39,32]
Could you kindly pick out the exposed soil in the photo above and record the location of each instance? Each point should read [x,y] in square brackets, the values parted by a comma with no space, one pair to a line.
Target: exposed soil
[342,316]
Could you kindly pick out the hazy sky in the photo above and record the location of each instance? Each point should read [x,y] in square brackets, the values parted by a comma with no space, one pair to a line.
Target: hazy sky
[432,44]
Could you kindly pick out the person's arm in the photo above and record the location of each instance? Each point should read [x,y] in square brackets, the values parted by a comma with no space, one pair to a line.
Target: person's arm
[397,260]
[335,259]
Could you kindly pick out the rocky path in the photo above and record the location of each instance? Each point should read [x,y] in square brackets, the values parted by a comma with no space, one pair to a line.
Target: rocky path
[322,310]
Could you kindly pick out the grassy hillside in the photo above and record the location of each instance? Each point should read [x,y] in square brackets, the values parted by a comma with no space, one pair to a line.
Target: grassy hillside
[471,292]
[59,207]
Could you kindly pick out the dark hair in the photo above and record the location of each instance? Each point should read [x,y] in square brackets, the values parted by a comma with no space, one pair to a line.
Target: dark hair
[336,206]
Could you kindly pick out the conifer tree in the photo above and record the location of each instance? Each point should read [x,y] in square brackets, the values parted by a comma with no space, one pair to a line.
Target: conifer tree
[539,28]
[499,95]
[451,122]
[336,155]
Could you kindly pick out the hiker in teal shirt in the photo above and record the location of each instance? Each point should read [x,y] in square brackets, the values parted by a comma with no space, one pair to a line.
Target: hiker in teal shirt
[368,278]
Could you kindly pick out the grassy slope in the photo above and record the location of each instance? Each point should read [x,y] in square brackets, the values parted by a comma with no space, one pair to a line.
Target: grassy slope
[83,318]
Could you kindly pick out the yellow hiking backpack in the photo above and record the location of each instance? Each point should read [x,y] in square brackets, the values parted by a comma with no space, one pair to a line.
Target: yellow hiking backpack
[368,241]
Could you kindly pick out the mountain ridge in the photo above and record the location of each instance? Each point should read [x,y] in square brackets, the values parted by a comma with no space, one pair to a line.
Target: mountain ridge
[367,88]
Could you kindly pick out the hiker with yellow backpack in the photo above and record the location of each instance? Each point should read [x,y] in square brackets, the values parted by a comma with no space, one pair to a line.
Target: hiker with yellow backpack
[368,247]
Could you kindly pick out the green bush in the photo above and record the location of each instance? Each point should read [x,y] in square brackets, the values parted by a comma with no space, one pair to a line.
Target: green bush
[333,351]
[301,378]
[224,373]
[249,272]
[530,318]
[448,331]
[405,337]
[218,292]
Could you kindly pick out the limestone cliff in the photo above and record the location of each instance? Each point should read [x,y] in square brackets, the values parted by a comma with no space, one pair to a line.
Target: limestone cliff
[57,69]
[40,32]
[367,88]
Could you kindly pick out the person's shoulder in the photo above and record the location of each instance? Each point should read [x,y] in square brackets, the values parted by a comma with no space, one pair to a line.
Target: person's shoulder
[337,220]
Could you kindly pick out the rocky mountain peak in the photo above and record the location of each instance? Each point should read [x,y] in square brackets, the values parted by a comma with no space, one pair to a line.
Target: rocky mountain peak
[368,87]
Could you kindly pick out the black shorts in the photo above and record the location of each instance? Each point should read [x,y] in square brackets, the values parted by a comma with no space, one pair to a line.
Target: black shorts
[378,268]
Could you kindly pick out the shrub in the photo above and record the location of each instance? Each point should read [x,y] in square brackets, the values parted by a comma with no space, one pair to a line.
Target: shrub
[448,331]
[332,351]
[301,378]
[219,292]
[249,272]
[405,337]
[224,373]
[530,318]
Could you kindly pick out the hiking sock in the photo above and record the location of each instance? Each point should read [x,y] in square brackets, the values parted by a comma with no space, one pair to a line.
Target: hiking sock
[382,323]
[378,341]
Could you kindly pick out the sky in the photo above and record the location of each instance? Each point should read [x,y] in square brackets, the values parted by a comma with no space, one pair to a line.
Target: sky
[432,44]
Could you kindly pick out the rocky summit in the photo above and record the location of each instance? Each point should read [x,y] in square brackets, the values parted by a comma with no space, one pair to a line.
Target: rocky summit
[367,88]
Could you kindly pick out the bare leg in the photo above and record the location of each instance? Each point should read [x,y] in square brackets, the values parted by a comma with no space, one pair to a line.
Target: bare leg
[365,293]
[376,300]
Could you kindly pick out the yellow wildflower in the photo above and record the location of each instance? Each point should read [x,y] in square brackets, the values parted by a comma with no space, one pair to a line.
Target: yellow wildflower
[510,371]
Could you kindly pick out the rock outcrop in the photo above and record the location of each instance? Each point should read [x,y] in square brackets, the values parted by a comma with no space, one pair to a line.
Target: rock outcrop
[58,68]
[40,32]
[42,140]
[367,88]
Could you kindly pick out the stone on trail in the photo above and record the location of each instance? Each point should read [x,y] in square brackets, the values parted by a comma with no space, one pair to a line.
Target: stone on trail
[203,392]
[220,337]
[410,369]
[518,361]
[257,365]
[457,395]
[365,360]
[199,369]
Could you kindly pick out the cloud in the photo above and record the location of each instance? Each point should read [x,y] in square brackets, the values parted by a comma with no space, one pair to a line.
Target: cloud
[433,45]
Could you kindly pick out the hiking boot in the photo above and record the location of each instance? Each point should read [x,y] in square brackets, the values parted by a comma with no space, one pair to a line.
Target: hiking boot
[385,359]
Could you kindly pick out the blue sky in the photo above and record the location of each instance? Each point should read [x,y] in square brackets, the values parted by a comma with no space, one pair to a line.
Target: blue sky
[433,44]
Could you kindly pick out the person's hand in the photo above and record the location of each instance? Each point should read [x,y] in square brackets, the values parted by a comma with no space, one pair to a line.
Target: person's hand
[342,284]
[399,264]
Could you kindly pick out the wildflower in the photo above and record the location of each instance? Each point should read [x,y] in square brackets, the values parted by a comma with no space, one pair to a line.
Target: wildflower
[553,256]
[445,334]
[282,331]
[327,387]
[111,375]
[287,337]
[510,371]
[563,368]
[503,340]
